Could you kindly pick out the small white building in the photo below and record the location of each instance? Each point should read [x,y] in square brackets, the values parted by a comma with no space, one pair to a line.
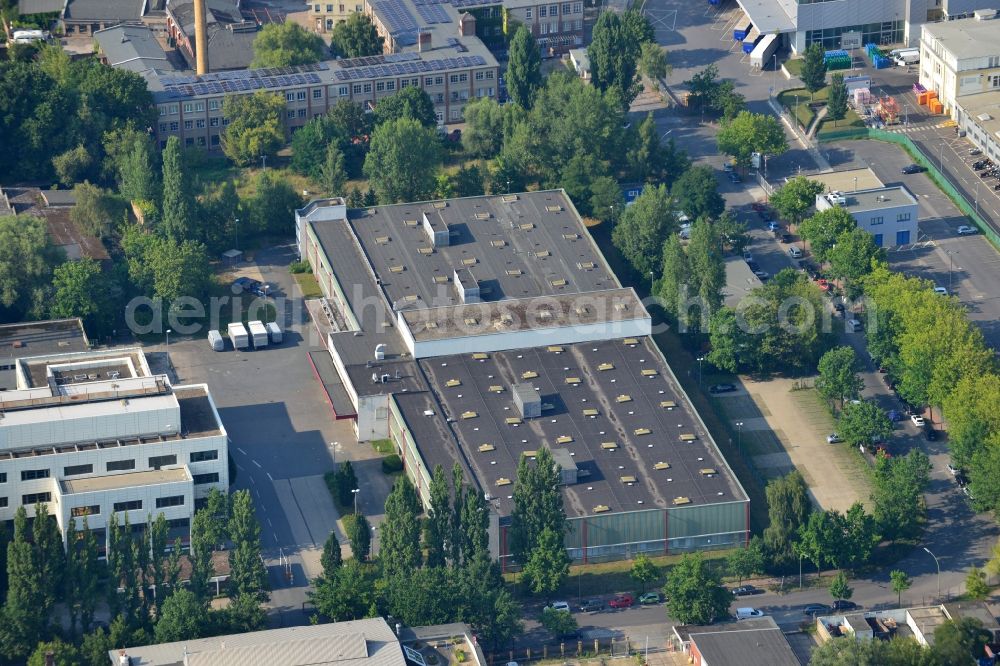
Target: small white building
[581,62]
[961,58]
[887,213]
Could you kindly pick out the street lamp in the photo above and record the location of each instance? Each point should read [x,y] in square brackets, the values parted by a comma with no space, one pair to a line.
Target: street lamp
[236,233]
[263,162]
[938,564]
[739,436]
[700,360]
[168,336]
[355,493]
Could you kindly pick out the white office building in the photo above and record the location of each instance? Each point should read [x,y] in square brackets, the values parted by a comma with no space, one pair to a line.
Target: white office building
[93,434]
[887,213]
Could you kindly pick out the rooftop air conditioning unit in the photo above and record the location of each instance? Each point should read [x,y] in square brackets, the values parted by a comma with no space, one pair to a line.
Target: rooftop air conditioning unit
[985,14]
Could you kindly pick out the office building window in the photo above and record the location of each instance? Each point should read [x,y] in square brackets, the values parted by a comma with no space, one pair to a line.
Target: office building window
[173,109]
[553,10]
[480,76]
[35,498]
[543,11]
[390,85]
[439,98]
[289,97]
[463,78]
[213,105]
[301,113]
[200,123]
[213,122]
[3,502]
[316,8]
[329,8]
[163,127]
[73,470]
[342,91]
[32,474]
[290,113]
[368,87]
[81,511]
[357,88]
[995,81]
[201,141]
[566,9]
[903,217]
[380,86]
[300,95]
[202,479]
[215,139]
[527,13]
[199,106]
[156,462]
[188,107]
[174,126]
[439,80]
[131,505]
[318,93]
[429,81]
[3,477]
[120,465]
[202,456]
[405,83]
[225,121]
[188,124]
[453,78]
[876,220]
[173,500]
[189,141]
[489,74]
[164,111]
[577,7]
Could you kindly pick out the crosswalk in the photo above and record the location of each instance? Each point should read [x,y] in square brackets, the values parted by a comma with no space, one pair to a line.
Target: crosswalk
[919,128]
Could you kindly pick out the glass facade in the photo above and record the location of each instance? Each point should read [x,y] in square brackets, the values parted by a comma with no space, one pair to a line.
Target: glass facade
[887,32]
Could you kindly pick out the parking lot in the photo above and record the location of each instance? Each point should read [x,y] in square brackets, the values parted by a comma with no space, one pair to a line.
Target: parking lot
[282,431]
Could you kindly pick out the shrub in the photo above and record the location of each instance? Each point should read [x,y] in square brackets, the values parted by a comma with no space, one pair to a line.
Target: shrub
[392,464]
[299,267]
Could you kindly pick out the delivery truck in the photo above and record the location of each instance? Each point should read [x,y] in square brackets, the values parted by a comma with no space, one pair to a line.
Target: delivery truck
[258,333]
[274,331]
[904,58]
[238,336]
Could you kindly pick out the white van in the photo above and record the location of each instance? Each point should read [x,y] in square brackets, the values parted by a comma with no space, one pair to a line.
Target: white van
[748,613]
[855,325]
[794,252]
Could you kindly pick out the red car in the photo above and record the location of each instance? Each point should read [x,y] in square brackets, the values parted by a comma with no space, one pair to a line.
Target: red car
[823,284]
[622,601]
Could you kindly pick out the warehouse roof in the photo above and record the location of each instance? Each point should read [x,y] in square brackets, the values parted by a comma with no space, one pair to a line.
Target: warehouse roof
[965,38]
[356,643]
[104,10]
[132,47]
[517,246]
[598,307]
[614,405]
[755,642]
[151,477]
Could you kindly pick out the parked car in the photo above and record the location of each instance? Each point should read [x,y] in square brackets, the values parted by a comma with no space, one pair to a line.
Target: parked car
[961,480]
[746,590]
[591,606]
[976,151]
[913,168]
[929,432]
[838,308]
[735,177]
[773,226]
[722,388]
[559,606]
[622,601]
[747,613]
[794,252]
[844,605]
[940,291]
[762,275]
[965,230]
[833,438]
[855,325]
[245,284]
[816,609]
[917,420]
[650,598]
[954,471]
[786,238]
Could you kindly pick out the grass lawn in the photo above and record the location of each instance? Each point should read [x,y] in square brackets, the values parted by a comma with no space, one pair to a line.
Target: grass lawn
[794,66]
[383,446]
[308,284]
[851,120]
[797,102]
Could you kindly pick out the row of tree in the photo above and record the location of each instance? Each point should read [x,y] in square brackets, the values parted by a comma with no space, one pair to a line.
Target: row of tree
[139,579]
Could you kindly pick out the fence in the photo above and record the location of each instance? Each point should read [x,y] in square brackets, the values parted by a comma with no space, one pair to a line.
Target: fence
[940,179]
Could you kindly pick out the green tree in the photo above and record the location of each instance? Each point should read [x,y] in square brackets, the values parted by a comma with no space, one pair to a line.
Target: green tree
[219,208]
[746,562]
[97,210]
[80,289]
[605,198]
[750,133]
[960,642]
[614,52]
[852,256]
[356,37]
[900,651]
[975,584]
[25,611]
[286,44]
[423,596]
[538,505]
[548,564]
[437,526]
[26,260]
[863,423]
[860,536]
[653,62]
[63,654]
[333,173]
[178,213]
[836,101]
[202,546]
[703,88]
[643,571]
[247,574]
[732,232]
[359,535]
[694,592]
[897,494]
[795,198]
[346,481]
[347,595]
[468,181]
[840,588]
[332,558]
[399,545]
[271,208]
[674,275]
[644,227]
[183,617]
[824,228]
[474,523]
[504,622]
[900,582]
[813,72]
[136,168]
[256,126]
[49,555]
[788,507]
[74,165]
[485,127]
[838,376]
[178,269]
[524,68]
[972,418]
[707,273]
[94,648]
[403,161]
[410,102]
[559,623]
[697,193]
[309,147]
[646,157]
[578,176]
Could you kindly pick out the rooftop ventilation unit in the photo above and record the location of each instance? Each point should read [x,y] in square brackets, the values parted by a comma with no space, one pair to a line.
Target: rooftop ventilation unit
[568,471]
[985,14]
[436,229]
[836,198]
[527,401]
[466,285]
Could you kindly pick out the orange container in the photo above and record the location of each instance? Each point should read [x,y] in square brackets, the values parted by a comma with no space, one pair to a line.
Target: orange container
[922,98]
[931,95]
[936,106]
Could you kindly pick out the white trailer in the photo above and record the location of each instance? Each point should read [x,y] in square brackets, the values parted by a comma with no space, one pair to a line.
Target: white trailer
[215,341]
[238,336]
[29,36]
[764,50]
[258,333]
[274,331]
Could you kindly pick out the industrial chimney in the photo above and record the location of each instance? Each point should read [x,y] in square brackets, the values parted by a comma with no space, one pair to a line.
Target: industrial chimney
[200,37]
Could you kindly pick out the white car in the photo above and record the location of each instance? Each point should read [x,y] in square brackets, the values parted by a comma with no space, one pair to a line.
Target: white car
[953,470]
[560,606]
[833,438]
[940,291]
[762,275]
[965,230]
[794,252]
[917,420]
